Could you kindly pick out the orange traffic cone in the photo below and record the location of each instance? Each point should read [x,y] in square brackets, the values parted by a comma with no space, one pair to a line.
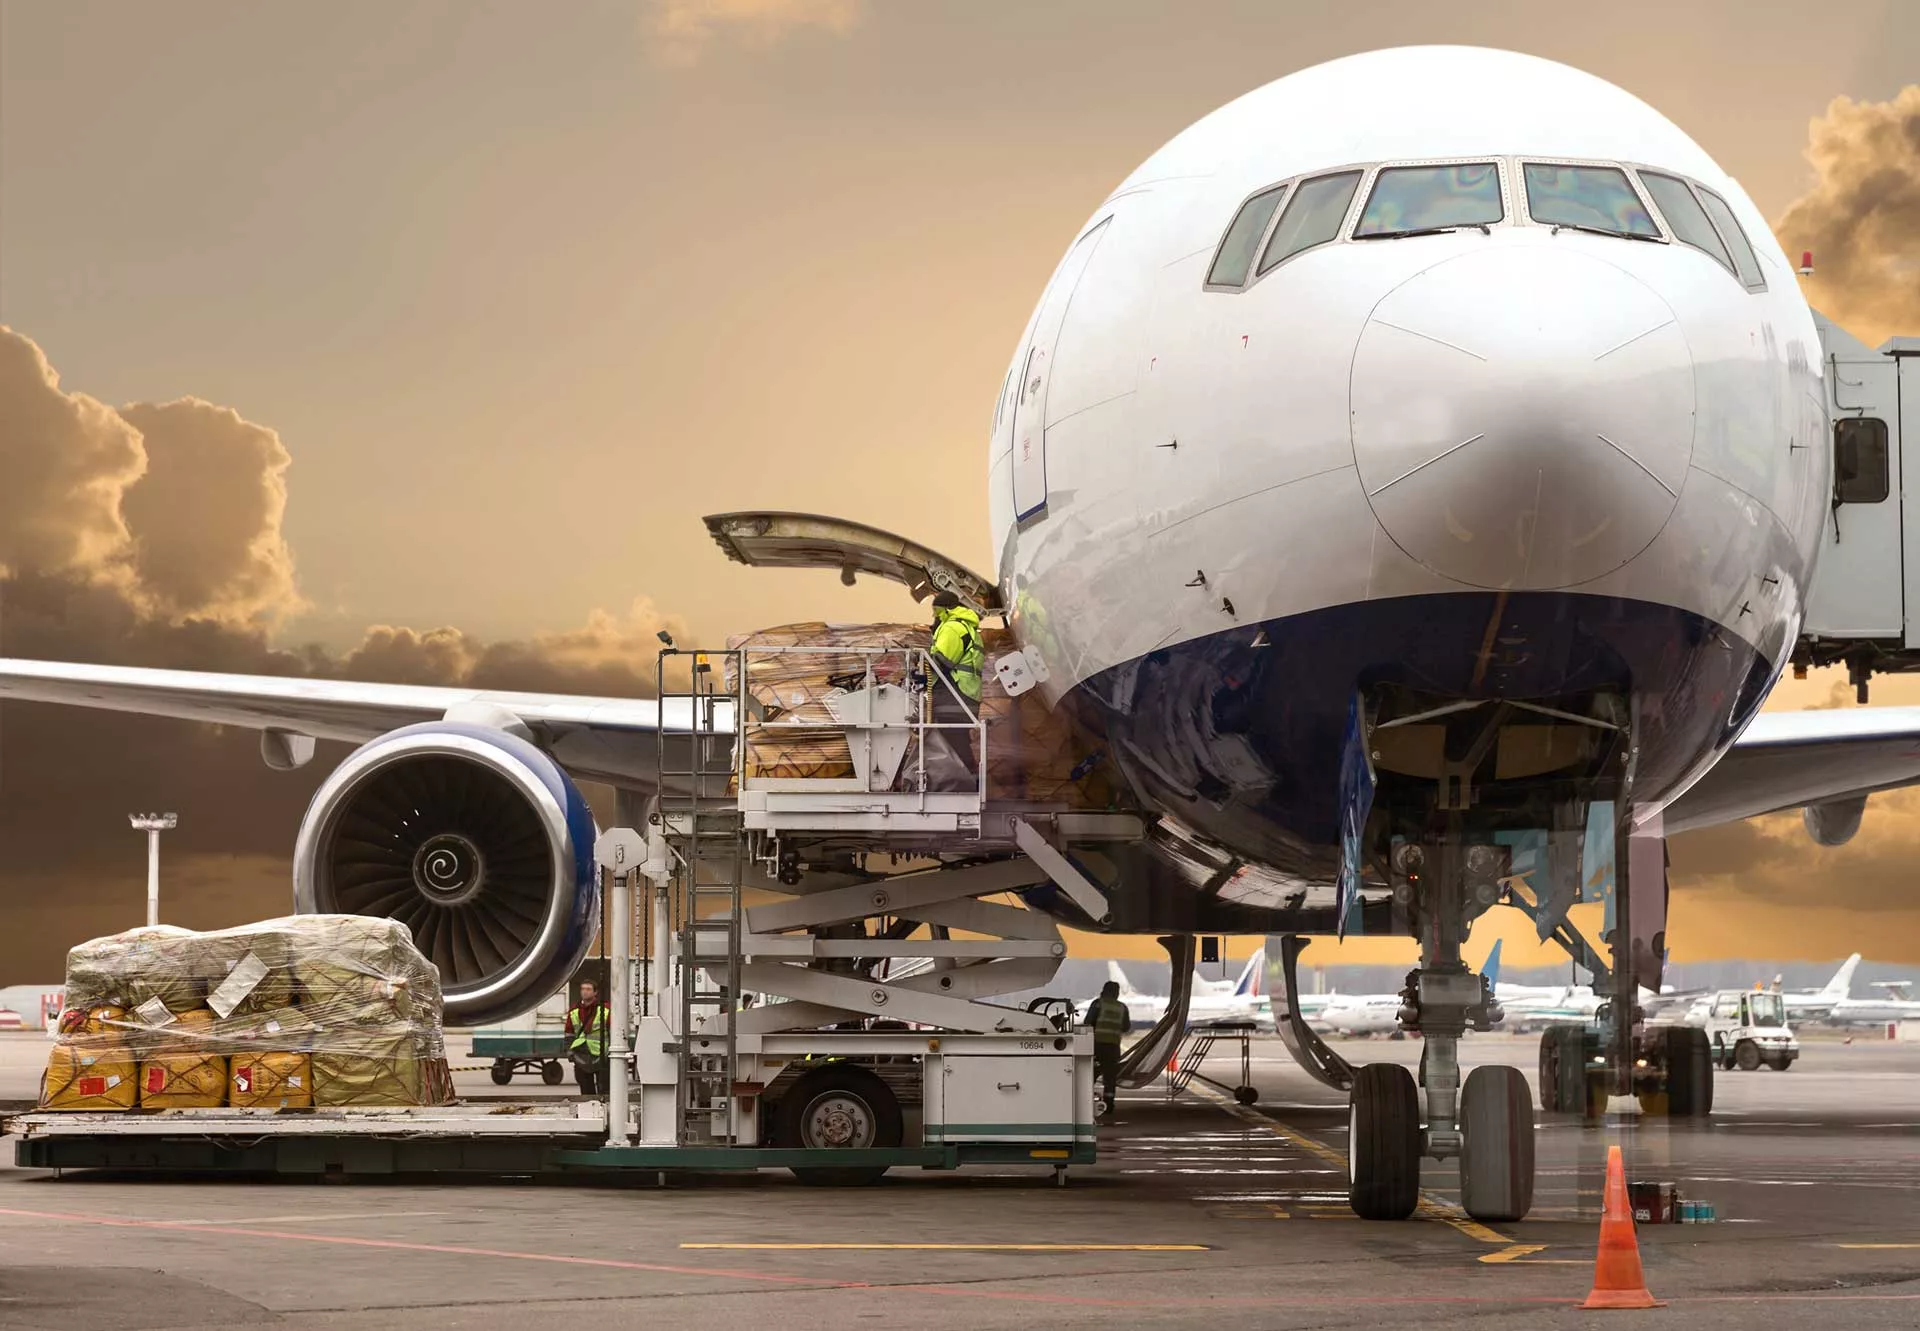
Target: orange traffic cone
[1617,1280]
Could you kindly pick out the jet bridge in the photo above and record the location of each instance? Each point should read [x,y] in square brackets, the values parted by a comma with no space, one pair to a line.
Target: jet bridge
[1864,608]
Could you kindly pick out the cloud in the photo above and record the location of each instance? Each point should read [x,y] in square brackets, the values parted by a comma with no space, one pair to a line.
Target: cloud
[68,461]
[152,535]
[681,30]
[177,505]
[205,518]
[609,656]
[1861,219]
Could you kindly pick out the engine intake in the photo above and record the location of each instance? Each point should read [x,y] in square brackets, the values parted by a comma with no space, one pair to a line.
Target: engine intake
[477,842]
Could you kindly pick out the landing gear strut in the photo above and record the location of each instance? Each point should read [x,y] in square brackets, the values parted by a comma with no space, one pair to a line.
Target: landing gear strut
[1488,1125]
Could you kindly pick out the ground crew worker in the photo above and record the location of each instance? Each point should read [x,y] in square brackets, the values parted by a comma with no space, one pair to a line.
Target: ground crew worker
[961,657]
[587,1024]
[1108,1019]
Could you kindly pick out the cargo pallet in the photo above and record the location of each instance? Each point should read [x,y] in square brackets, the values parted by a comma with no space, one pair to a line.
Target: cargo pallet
[837,1030]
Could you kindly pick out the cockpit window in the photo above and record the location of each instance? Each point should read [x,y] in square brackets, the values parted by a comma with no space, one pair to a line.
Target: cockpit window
[1313,216]
[1235,259]
[1685,217]
[1593,198]
[1410,199]
[1729,228]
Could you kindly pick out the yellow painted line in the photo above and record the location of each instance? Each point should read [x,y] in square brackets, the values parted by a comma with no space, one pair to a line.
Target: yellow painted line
[1876,1247]
[958,1247]
[1519,1254]
[1429,1207]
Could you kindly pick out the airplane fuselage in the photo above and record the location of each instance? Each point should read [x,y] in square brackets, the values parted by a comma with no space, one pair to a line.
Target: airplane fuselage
[1511,459]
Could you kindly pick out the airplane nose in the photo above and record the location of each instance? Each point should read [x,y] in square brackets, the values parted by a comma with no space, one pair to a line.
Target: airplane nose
[1522,418]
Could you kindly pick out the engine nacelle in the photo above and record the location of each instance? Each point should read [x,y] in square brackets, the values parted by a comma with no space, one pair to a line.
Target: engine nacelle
[1835,822]
[477,842]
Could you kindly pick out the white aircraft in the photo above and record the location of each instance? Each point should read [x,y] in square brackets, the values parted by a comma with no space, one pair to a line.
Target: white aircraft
[1211,1001]
[1893,1005]
[1359,1014]
[1429,445]
[1820,1004]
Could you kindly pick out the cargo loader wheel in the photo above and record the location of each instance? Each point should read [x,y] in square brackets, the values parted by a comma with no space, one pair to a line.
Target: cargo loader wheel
[839,1107]
[1496,1155]
[1746,1056]
[552,1073]
[1383,1143]
[501,1071]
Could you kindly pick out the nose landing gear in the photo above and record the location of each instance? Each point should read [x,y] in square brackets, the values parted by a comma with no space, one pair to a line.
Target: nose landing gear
[1487,1124]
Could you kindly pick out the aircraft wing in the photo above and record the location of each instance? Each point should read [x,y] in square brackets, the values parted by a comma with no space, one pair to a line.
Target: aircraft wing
[1788,760]
[606,739]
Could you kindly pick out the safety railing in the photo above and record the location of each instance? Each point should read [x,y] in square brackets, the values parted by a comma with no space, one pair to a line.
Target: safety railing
[895,709]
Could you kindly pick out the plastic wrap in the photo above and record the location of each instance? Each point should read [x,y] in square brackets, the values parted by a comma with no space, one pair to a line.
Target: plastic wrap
[1034,753]
[285,1014]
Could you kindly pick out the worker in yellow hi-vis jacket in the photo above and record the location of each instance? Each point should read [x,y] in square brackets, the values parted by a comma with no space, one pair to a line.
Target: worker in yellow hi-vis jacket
[1108,1019]
[960,658]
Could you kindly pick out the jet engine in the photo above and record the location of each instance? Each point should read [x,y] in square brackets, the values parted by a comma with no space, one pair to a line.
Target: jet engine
[477,842]
[1835,822]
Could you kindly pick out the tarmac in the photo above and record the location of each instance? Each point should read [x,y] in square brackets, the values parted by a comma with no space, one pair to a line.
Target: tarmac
[1199,1210]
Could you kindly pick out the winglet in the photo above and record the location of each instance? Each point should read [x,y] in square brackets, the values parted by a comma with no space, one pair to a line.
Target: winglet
[1492,968]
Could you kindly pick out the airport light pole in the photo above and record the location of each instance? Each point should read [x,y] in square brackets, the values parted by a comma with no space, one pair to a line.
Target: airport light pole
[153,824]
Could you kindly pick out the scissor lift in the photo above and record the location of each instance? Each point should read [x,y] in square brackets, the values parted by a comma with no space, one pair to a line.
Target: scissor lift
[812,974]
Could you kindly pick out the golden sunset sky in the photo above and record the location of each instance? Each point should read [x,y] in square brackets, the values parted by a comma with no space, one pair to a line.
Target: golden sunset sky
[503,297]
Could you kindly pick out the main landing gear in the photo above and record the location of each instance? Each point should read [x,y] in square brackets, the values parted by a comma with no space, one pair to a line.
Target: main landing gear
[1487,1124]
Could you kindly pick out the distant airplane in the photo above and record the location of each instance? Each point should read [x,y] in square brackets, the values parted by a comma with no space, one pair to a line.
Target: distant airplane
[1212,1001]
[1819,1004]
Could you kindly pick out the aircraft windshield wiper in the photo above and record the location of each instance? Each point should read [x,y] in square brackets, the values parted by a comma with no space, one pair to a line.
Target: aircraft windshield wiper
[1481,227]
[1558,227]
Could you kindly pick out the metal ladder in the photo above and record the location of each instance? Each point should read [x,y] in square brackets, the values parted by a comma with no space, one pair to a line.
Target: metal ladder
[700,811]
[1199,1044]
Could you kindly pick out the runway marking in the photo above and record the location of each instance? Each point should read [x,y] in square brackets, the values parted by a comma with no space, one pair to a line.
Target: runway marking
[283,1219]
[958,1247]
[1344,1300]
[1876,1247]
[343,1240]
[1520,1254]
[1429,1207]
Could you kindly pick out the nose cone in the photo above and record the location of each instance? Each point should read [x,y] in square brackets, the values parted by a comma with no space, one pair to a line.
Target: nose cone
[1522,417]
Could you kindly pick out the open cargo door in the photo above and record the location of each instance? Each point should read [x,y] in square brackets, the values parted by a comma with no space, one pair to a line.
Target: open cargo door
[809,540]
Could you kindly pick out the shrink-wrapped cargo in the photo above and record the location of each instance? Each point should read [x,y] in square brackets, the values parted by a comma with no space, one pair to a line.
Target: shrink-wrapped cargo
[270,1081]
[382,1069]
[178,1066]
[277,1001]
[80,1077]
[796,672]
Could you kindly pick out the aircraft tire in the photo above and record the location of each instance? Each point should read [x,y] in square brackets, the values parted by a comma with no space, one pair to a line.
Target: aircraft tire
[1496,1153]
[1689,1060]
[1383,1143]
[1563,1069]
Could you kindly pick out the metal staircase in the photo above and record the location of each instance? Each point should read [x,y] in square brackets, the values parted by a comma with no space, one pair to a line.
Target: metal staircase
[699,808]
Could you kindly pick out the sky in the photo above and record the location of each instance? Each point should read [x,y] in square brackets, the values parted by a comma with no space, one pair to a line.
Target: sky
[412,341]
